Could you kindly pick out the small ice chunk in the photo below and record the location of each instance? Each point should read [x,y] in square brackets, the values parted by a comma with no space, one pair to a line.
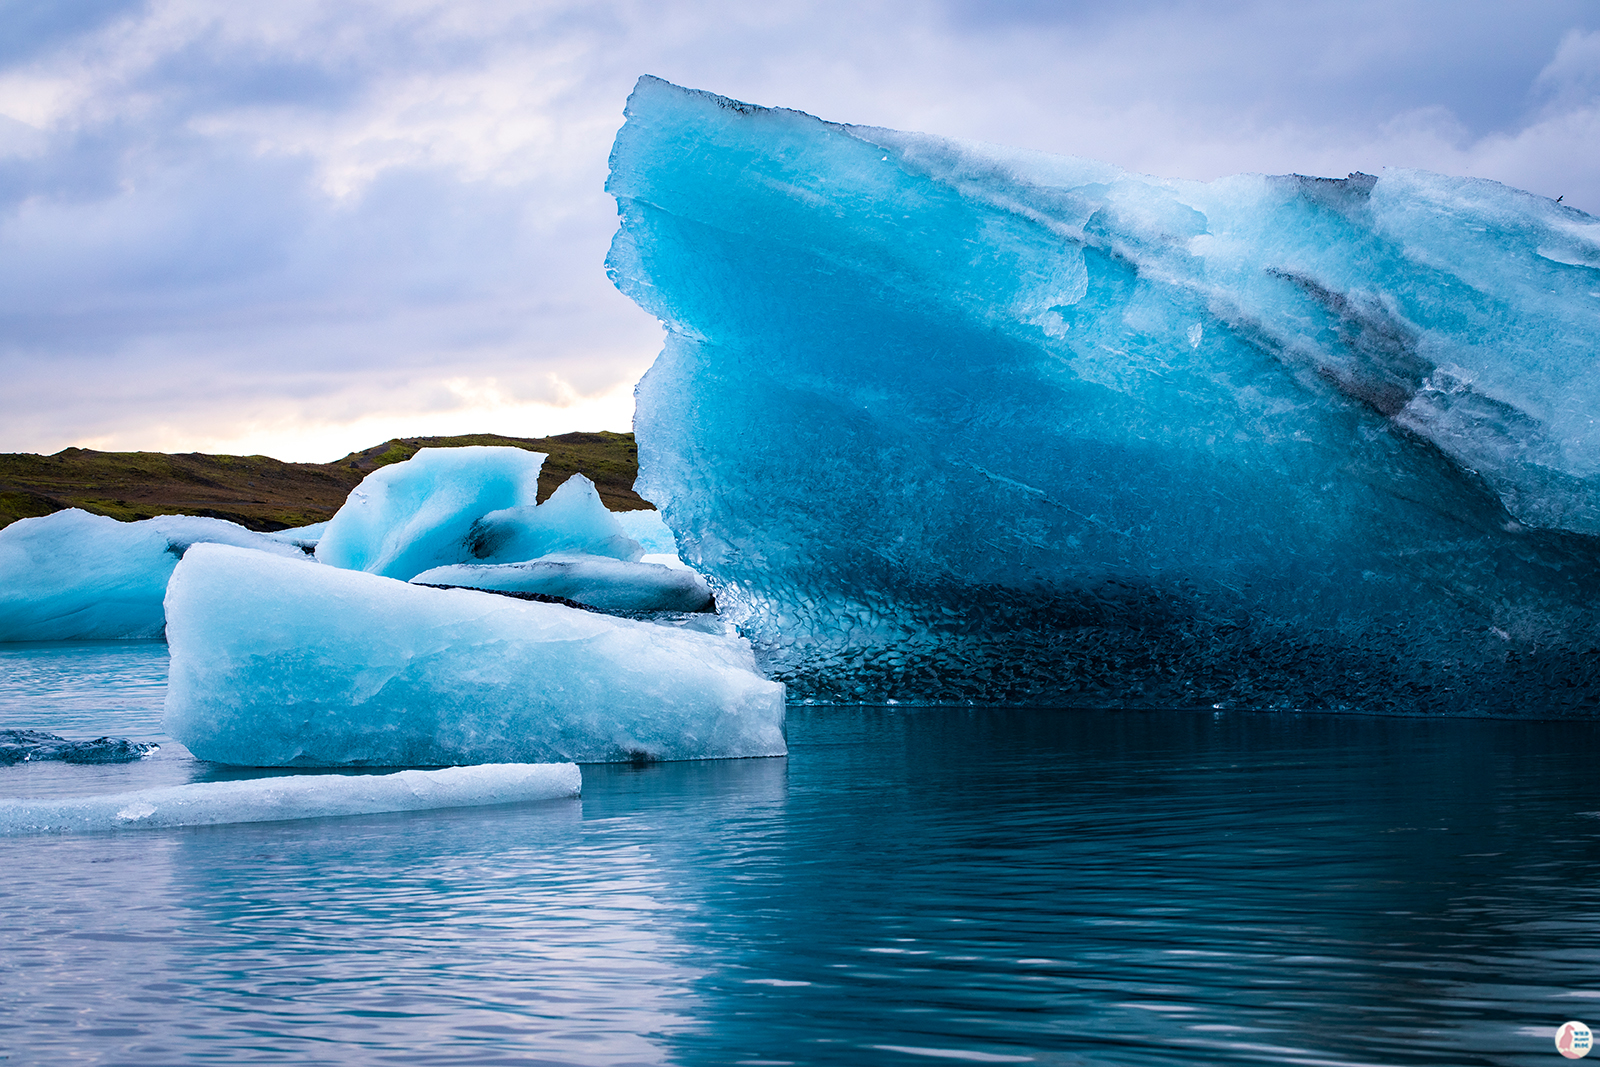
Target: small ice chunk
[647,528]
[299,796]
[407,517]
[71,575]
[572,520]
[276,663]
[607,584]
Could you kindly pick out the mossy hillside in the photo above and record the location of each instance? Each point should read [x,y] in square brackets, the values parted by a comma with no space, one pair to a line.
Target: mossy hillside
[268,494]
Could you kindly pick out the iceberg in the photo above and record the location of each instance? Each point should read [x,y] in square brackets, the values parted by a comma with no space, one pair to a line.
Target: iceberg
[71,575]
[408,517]
[279,663]
[611,585]
[953,422]
[573,520]
[299,796]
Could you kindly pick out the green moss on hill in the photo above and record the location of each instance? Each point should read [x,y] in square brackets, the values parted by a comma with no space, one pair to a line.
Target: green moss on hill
[267,494]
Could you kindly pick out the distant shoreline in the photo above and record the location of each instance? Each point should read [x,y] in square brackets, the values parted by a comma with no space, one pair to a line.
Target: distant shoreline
[265,494]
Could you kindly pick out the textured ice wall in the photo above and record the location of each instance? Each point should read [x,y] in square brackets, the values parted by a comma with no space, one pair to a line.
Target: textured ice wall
[278,663]
[948,421]
[76,576]
[297,796]
[407,517]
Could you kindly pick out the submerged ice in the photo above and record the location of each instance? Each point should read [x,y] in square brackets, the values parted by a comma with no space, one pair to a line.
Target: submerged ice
[946,421]
[279,663]
[33,746]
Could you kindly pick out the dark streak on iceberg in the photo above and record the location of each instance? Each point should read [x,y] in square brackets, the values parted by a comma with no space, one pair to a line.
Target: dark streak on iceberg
[960,423]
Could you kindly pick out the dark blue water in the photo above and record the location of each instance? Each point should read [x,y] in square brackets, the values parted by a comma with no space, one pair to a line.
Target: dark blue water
[909,886]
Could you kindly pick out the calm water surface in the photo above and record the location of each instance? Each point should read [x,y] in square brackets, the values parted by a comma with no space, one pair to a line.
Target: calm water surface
[908,886]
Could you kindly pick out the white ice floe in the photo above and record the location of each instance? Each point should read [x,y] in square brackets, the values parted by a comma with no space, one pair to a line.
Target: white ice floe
[278,663]
[300,796]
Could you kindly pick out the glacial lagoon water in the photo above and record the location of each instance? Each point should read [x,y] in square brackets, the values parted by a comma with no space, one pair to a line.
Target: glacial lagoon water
[910,886]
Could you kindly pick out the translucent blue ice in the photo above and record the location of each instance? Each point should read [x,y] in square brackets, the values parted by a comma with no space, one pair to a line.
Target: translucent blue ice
[598,581]
[648,528]
[409,516]
[955,422]
[76,576]
[280,663]
[572,520]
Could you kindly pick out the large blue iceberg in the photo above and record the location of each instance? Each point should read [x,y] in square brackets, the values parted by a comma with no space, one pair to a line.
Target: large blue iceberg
[943,421]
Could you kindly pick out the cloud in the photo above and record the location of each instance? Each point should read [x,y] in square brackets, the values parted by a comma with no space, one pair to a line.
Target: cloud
[288,225]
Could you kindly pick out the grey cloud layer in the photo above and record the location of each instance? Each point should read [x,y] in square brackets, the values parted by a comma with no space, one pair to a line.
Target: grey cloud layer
[211,214]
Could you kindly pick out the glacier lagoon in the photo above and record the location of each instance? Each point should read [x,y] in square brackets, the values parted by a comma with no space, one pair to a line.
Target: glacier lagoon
[1242,474]
[988,885]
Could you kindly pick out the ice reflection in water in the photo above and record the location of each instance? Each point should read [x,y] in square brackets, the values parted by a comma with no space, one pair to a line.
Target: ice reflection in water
[1244,889]
[909,886]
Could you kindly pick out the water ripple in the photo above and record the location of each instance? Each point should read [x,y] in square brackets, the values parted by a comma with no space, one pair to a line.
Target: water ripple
[910,886]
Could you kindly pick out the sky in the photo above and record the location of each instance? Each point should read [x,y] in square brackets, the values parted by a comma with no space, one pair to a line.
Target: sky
[302,228]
